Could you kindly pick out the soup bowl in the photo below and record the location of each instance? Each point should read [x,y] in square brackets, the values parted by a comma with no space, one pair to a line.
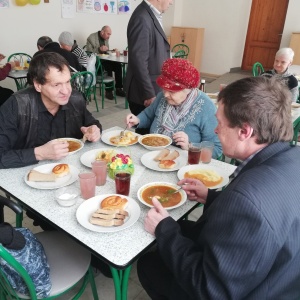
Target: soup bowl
[155,141]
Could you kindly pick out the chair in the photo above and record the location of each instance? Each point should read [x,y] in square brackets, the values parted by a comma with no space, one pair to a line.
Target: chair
[22,58]
[103,82]
[296,126]
[83,82]
[69,265]
[257,69]
[184,51]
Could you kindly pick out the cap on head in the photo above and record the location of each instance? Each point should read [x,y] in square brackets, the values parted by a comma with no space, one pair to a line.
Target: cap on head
[66,38]
[178,74]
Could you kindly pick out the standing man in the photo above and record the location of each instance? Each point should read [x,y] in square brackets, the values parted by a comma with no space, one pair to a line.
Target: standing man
[97,42]
[148,49]
[33,119]
[68,43]
[246,244]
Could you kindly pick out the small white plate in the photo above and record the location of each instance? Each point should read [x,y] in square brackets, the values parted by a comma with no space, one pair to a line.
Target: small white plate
[88,157]
[108,135]
[172,185]
[74,140]
[225,181]
[89,206]
[148,161]
[60,182]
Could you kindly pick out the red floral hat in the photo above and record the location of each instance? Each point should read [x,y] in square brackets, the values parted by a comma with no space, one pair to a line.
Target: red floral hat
[178,74]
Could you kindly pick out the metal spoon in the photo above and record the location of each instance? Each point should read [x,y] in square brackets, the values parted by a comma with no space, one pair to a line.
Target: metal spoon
[122,133]
[178,190]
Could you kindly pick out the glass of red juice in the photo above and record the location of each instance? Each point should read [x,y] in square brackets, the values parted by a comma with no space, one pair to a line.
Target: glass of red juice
[122,181]
[194,153]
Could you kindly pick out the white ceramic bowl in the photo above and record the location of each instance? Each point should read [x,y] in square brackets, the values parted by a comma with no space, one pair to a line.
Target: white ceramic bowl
[112,54]
[67,196]
[154,135]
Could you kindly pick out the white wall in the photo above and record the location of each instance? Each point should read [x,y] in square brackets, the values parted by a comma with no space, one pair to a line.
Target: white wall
[225,23]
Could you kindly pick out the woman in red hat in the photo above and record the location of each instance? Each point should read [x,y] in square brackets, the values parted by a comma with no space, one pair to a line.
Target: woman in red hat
[181,111]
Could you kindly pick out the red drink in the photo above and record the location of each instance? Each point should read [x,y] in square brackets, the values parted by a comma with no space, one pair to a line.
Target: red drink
[194,156]
[206,154]
[87,185]
[99,168]
[122,180]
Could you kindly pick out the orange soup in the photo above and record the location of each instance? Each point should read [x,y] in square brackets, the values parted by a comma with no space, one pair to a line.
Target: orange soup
[163,193]
[155,141]
[73,145]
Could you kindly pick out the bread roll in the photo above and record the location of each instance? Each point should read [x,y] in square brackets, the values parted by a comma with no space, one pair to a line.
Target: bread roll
[34,175]
[106,223]
[163,153]
[61,170]
[171,156]
[114,202]
[167,164]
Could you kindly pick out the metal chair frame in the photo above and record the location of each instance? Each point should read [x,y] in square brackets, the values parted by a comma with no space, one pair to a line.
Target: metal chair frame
[296,126]
[257,69]
[83,82]
[181,51]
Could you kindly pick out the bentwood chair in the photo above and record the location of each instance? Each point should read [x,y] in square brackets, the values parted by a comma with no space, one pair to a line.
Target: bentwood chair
[103,82]
[22,58]
[83,82]
[257,69]
[296,126]
[69,265]
[181,51]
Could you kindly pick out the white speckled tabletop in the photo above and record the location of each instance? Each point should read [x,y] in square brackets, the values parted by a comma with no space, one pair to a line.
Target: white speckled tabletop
[119,248]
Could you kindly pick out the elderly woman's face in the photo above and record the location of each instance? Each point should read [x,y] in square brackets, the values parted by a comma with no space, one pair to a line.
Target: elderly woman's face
[175,98]
[281,63]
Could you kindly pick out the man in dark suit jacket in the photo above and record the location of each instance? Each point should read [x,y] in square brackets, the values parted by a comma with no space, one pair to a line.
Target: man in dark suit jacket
[148,48]
[246,244]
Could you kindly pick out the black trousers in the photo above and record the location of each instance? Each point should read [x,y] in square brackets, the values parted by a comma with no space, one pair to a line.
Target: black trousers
[4,94]
[136,109]
[111,66]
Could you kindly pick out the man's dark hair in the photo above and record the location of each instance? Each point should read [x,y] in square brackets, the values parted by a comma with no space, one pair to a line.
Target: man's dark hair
[43,41]
[40,66]
[263,103]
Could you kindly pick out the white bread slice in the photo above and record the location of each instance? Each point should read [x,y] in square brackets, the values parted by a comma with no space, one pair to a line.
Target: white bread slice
[108,217]
[163,153]
[111,211]
[34,175]
[106,223]
[171,156]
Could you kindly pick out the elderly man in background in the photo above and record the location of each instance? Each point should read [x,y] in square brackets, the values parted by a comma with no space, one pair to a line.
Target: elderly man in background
[148,48]
[246,244]
[33,119]
[68,43]
[45,44]
[97,42]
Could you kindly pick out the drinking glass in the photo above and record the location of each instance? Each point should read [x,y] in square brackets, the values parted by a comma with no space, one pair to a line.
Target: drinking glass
[206,152]
[194,153]
[99,168]
[87,185]
[122,181]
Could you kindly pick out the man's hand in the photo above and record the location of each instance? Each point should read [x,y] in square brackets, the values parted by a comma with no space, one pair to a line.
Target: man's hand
[55,149]
[103,48]
[148,101]
[91,133]
[195,189]
[154,216]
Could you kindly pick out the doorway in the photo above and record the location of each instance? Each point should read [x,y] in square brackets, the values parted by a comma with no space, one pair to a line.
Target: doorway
[266,22]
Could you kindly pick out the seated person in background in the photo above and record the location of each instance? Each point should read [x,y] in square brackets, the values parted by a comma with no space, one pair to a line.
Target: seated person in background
[45,44]
[97,42]
[283,59]
[32,119]
[68,43]
[180,111]
[4,70]
[246,244]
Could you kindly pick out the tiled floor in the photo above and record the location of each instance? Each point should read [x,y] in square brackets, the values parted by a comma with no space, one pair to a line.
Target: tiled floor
[114,115]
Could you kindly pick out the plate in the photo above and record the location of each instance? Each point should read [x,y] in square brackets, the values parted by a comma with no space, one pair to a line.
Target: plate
[88,157]
[104,55]
[155,135]
[148,161]
[225,181]
[108,135]
[74,140]
[60,182]
[295,105]
[182,192]
[91,205]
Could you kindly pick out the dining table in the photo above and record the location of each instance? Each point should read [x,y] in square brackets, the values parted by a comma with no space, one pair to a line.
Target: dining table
[20,78]
[119,247]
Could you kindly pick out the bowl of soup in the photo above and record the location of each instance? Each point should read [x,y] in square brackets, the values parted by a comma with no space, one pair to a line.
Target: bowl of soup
[155,141]
[74,144]
[164,192]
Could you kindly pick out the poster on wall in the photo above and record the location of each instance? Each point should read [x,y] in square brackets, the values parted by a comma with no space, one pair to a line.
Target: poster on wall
[68,8]
[104,6]
[4,3]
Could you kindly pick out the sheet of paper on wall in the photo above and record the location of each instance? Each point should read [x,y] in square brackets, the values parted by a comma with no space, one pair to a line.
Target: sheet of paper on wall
[68,8]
